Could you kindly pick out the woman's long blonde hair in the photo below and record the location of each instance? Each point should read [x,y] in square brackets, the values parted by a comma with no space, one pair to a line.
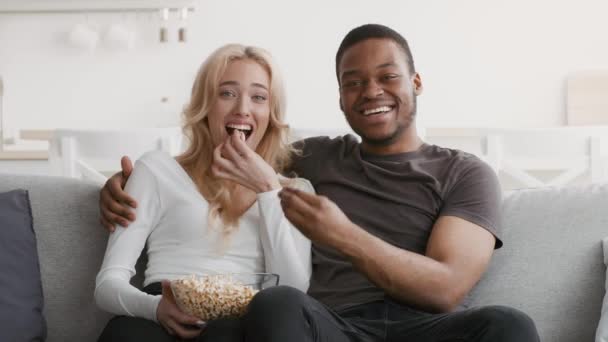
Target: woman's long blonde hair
[198,157]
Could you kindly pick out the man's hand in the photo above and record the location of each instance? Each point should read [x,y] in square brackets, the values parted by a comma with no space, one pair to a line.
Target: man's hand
[317,217]
[234,160]
[114,203]
[173,319]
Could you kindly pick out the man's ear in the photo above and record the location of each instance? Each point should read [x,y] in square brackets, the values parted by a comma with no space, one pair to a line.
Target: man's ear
[417,82]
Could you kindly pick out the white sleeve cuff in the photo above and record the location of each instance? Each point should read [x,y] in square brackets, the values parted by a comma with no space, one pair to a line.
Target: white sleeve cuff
[153,308]
[271,195]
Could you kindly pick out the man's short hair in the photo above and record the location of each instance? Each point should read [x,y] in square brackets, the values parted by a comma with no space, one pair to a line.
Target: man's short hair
[370,31]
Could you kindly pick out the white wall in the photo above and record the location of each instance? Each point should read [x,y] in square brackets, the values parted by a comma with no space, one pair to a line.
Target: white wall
[484,63]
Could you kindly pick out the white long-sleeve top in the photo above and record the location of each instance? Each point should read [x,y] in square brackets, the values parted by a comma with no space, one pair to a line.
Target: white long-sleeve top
[172,223]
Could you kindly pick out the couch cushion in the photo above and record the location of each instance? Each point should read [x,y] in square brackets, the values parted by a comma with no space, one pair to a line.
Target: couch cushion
[21,299]
[551,263]
[71,244]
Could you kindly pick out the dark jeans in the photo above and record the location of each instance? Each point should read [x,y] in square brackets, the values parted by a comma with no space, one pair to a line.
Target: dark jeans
[127,329]
[282,314]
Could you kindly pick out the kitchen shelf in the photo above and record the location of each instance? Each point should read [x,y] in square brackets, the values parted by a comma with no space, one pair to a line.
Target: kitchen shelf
[92,6]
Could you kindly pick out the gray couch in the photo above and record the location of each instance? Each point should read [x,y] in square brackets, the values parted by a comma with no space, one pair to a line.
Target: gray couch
[550,267]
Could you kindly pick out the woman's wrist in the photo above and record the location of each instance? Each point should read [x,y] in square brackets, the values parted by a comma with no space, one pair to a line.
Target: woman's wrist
[269,185]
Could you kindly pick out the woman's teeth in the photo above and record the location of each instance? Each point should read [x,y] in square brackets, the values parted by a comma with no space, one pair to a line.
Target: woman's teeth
[376,110]
[246,129]
[240,127]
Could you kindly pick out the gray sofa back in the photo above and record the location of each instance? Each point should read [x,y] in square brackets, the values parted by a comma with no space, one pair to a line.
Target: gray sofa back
[550,267]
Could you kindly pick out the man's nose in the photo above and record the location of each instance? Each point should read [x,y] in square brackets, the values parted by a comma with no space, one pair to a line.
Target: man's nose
[372,89]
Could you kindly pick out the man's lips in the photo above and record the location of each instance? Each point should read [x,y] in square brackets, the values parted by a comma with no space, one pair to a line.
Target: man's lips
[376,110]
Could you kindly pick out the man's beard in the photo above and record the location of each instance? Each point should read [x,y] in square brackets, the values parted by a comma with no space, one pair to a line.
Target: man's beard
[385,141]
[394,136]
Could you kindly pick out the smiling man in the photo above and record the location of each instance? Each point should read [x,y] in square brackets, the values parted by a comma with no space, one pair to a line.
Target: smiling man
[379,100]
[401,230]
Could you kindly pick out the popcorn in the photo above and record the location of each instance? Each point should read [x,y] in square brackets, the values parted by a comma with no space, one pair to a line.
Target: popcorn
[212,297]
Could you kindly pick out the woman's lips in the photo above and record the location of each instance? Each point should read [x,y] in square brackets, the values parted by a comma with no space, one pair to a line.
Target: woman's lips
[246,129]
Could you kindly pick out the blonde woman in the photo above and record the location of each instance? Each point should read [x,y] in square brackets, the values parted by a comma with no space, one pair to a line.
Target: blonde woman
[213,209]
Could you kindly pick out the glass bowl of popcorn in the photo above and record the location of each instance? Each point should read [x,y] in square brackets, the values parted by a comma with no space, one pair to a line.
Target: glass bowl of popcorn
[216,296]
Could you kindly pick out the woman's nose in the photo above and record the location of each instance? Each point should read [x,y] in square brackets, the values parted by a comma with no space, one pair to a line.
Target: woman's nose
[243,107]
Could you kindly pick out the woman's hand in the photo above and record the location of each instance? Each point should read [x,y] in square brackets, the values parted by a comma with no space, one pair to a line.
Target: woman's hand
[173,319]
[234,160]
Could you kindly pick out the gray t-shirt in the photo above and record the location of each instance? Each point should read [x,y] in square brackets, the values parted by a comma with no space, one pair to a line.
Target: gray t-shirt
[397,198]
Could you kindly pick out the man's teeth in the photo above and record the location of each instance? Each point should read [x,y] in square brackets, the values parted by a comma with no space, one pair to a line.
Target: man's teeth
[376,110]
